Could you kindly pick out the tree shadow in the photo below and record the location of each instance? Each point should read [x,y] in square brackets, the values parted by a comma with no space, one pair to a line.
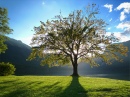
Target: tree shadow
[74,89]
[36,90]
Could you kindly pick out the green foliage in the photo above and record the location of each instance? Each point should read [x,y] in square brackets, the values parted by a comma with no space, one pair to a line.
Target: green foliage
[62,86]
[4,28]
[3,46]
[6,69]
[79,37]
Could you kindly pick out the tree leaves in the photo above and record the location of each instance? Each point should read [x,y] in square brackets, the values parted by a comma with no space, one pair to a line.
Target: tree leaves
[4,29]
[79,37]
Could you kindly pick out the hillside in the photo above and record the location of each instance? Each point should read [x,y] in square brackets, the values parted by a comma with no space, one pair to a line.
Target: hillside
[18,52]
[118,69]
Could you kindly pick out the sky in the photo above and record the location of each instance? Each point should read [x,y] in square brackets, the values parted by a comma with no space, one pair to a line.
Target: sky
[25,14]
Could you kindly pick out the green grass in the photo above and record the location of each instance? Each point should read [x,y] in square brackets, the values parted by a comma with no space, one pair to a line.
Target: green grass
[62,86]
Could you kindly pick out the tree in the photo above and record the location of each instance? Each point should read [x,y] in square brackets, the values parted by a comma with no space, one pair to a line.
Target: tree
[6,69]
[80,37]
[4,28]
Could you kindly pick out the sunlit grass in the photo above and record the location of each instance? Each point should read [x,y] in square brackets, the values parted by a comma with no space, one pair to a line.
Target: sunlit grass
[62,86]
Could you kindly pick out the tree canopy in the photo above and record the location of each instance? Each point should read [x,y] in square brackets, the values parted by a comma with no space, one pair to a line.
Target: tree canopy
[79,37]
[4,28]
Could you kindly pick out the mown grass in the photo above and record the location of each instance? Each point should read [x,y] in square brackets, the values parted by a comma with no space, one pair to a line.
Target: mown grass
[62,86]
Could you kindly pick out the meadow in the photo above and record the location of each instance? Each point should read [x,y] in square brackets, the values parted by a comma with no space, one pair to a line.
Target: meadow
[62,86]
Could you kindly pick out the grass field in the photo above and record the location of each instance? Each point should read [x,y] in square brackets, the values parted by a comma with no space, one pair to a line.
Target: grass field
[62,86]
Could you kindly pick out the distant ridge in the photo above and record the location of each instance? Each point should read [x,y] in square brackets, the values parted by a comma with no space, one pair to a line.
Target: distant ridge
[18,52]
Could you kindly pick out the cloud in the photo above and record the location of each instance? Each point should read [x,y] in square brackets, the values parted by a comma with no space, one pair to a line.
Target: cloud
[120,36]
[126,32]
[126,7]
[124,26]
[109,6]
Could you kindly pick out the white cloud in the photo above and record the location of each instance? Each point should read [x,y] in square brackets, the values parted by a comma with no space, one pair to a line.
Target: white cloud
[122,37]
[126,7]
[124,25]
[122,16]
[126,32]
[119,35]
[109,6]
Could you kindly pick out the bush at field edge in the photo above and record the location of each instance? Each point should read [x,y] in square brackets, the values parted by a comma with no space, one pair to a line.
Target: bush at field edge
[6,69]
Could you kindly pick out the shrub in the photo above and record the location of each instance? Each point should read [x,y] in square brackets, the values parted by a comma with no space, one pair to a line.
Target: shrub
[6,69]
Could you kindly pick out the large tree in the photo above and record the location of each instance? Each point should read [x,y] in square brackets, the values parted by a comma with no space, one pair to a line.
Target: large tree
[79,37]
[4,28]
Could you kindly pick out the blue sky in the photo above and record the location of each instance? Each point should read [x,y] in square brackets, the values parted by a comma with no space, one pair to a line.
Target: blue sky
[25,14]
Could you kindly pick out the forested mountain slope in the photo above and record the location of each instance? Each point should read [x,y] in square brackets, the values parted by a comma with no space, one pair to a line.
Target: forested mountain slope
[18,52]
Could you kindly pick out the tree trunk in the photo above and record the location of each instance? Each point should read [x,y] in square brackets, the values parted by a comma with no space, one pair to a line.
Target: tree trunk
[75,70]
[75,66]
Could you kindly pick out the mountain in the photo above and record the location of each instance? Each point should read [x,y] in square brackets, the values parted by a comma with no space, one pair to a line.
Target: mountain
[18,52]
[116,69]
